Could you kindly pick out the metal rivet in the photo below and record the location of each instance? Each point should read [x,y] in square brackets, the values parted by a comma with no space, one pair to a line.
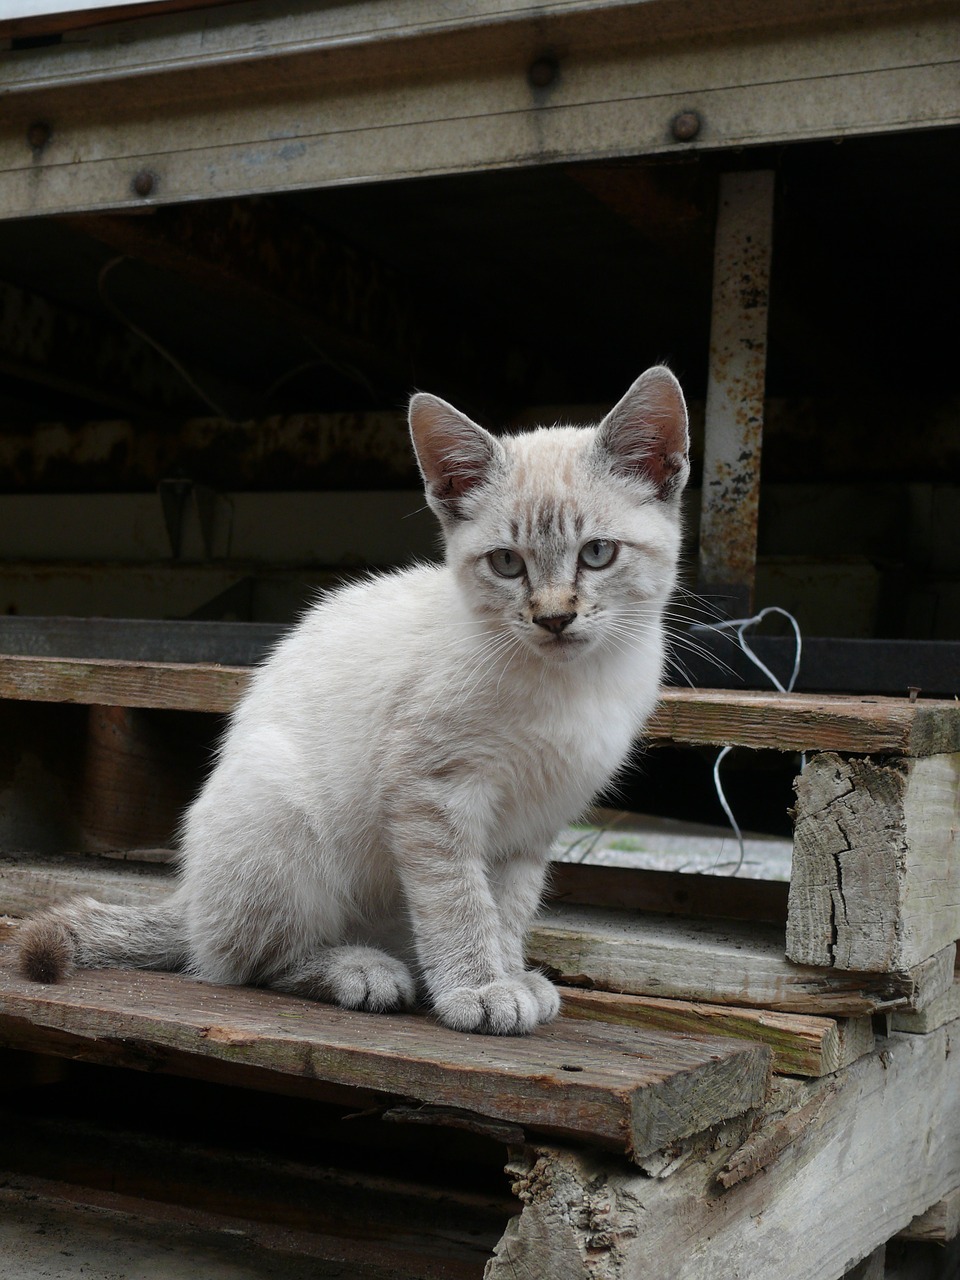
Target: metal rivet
[543,72]
[685,126]
[144,182]
[39,134]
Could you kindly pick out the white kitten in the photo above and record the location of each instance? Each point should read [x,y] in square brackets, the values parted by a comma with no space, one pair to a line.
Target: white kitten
[388,790]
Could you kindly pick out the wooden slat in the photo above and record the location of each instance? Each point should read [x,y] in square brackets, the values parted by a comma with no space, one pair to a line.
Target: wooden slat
[631,1089]
[941,1222]
[197,686]
[729,962]
[802,1045]
[807,722]
[737,963]
[941,1010]
[786,722]
[669,892]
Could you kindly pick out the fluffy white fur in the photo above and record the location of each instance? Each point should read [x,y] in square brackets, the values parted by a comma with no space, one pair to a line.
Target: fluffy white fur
[385,797]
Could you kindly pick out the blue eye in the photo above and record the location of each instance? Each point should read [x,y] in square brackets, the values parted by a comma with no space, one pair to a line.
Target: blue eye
[598,553]
[506,563]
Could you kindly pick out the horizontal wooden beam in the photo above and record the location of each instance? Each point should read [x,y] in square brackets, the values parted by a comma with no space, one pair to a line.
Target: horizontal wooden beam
[634,1090]
[206,112]
[802,1045]
[719,962]
[782,722]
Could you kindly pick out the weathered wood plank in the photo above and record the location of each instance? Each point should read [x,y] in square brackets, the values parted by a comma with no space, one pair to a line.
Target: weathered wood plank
[729,962]
[807,722]
[197,686]
[875,882]
[787,722]
[631,1089]
[941,1010]
[669,892]
[876,1143]
[802,1045]
[737,963]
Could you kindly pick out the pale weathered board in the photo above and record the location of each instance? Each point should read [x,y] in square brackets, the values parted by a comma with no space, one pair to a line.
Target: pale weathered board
[787,722]
[875,1152]
[875,881]
[730,962]
[941,1010]
[303,110]
[636,1090]
[802,1045]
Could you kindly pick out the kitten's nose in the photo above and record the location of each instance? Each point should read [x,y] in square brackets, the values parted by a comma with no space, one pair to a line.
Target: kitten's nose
[555,622]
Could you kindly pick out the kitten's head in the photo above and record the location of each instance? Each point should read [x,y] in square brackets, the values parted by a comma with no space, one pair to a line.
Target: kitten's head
[565,536]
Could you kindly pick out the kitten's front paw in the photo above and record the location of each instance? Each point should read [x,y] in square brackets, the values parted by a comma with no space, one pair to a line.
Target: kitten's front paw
[544,993]
[507,1007]
[364,978]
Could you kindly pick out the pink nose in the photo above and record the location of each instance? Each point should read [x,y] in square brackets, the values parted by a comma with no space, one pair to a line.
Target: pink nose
[555,622]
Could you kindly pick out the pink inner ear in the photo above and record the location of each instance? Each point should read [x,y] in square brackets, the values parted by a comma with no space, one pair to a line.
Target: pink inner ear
[645,435]
[455,454]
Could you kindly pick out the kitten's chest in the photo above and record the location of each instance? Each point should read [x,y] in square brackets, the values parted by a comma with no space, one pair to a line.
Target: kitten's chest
[549,766]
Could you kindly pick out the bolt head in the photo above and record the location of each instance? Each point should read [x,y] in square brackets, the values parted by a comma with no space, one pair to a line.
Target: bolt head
[144,182]
[685,126]
[39,134]
[543,71]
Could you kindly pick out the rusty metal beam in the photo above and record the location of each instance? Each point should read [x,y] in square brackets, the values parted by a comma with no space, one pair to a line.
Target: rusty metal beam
[735,389]
[255,255]
[94,359]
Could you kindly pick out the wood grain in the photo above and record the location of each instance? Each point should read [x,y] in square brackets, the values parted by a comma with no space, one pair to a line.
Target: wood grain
[635,1090]
[730,962]
[801,1045]
[875,882]
[875,1147]
[783,722]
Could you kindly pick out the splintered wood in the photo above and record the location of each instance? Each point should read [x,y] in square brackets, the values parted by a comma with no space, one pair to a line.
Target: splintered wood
[875,883]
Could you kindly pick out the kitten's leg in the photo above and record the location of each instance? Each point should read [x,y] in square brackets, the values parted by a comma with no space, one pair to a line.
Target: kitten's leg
[353,977]
[517,885]
[458,930]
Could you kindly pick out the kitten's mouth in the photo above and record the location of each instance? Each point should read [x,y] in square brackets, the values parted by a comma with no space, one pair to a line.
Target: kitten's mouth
[563,644]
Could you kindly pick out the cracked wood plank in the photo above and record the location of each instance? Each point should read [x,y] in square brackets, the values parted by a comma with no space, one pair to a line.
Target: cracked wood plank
[875,883]
[632,1090]
[875,1143]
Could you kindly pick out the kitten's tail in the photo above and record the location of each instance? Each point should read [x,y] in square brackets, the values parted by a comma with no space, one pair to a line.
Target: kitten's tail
[87,934]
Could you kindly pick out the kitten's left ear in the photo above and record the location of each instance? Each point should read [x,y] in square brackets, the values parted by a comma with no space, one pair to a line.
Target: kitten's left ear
[644,436]
[455,454]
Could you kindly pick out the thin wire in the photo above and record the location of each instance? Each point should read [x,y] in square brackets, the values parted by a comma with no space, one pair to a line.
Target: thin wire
[170,358]
[740,625]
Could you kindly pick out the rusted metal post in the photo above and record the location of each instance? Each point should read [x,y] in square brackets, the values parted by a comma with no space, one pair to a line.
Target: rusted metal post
[734,413]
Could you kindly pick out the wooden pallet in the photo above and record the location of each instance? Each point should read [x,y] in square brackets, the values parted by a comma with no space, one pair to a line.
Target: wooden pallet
[681,993]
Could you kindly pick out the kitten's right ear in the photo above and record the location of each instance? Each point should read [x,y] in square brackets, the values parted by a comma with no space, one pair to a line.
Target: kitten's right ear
[455,454]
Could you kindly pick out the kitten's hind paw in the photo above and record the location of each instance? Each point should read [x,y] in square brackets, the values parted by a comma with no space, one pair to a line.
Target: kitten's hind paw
[507,1007]
[353,977]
